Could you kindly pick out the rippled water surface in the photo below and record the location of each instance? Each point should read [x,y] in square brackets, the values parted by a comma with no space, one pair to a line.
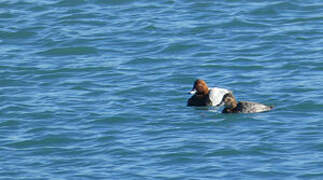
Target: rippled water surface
[95,89]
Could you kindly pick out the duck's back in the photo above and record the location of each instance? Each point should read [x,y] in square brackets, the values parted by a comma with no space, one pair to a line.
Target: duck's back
[252,107]
[216,94]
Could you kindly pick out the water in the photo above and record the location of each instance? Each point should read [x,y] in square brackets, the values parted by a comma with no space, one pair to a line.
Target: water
[97,89]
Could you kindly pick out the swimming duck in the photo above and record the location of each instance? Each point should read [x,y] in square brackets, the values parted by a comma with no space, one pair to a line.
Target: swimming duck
[234,106]
[204,96]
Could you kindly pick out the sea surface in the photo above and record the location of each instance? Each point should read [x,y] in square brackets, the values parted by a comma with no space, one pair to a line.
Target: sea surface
[97,89]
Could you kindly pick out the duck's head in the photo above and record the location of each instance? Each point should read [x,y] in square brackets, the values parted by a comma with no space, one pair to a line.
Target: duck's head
[229,101]
[200,88]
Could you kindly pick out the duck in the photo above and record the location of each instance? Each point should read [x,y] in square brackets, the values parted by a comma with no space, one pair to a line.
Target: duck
[202,95]
[233,106]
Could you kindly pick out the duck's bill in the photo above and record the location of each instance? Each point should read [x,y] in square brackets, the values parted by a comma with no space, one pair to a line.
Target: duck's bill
[192,92]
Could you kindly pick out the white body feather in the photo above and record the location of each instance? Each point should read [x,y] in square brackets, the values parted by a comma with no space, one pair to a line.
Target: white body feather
[216,95]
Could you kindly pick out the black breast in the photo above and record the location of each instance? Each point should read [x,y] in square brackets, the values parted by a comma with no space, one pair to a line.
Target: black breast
[199,100]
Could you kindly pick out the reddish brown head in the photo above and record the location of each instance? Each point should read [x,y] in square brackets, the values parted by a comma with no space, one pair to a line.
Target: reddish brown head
[200,88]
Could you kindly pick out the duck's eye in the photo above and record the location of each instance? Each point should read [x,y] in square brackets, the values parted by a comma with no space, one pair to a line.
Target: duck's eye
[228,99]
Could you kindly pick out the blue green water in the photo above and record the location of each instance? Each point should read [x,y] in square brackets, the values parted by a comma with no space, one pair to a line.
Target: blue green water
[95,89]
